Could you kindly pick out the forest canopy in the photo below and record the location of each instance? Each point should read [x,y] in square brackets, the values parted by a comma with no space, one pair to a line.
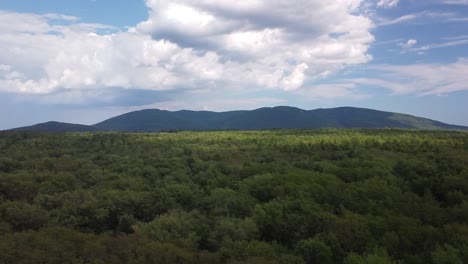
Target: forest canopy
[285,196]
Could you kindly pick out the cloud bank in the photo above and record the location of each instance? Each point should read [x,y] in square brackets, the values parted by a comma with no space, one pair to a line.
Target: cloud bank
[186,45]
[214,49]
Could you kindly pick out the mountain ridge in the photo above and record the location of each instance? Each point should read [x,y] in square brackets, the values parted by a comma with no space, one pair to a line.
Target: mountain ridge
[279,117]
[54,126]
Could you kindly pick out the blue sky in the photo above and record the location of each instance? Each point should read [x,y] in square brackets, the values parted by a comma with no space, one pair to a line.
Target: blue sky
[84,61]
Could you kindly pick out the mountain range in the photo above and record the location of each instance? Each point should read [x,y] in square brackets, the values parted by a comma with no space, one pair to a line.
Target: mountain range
[281,117]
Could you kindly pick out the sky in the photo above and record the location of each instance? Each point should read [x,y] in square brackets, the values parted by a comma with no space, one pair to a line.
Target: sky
[83,61]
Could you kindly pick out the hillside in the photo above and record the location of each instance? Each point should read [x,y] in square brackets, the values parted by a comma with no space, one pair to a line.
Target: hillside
[266,118]
[282,117]
[57,127]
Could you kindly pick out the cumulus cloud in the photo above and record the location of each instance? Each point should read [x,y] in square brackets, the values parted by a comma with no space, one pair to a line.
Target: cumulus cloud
[187,45]
[410,43]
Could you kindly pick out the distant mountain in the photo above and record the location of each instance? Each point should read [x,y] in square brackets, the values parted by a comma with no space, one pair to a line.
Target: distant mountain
[266,118]
[281,117]
[57,127]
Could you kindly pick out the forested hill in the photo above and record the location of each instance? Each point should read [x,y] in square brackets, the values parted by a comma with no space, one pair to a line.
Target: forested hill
[260,119]
[57,127]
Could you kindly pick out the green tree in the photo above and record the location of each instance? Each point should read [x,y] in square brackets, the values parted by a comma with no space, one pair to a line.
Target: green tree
[446,254]
[314,250]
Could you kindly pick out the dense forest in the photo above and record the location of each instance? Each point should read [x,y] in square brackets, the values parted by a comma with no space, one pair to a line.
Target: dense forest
[286,196]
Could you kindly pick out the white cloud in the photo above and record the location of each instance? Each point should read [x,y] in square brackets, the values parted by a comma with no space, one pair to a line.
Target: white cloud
[448,42]
[419,79]
[410,43]
[388,3]
[451,43]
[23,23]
[263,39]
[398,20]
[53,16]
[190,44]
[295,79]
[424,17]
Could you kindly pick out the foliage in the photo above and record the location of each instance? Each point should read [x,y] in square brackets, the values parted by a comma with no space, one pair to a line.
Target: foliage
[283,196]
